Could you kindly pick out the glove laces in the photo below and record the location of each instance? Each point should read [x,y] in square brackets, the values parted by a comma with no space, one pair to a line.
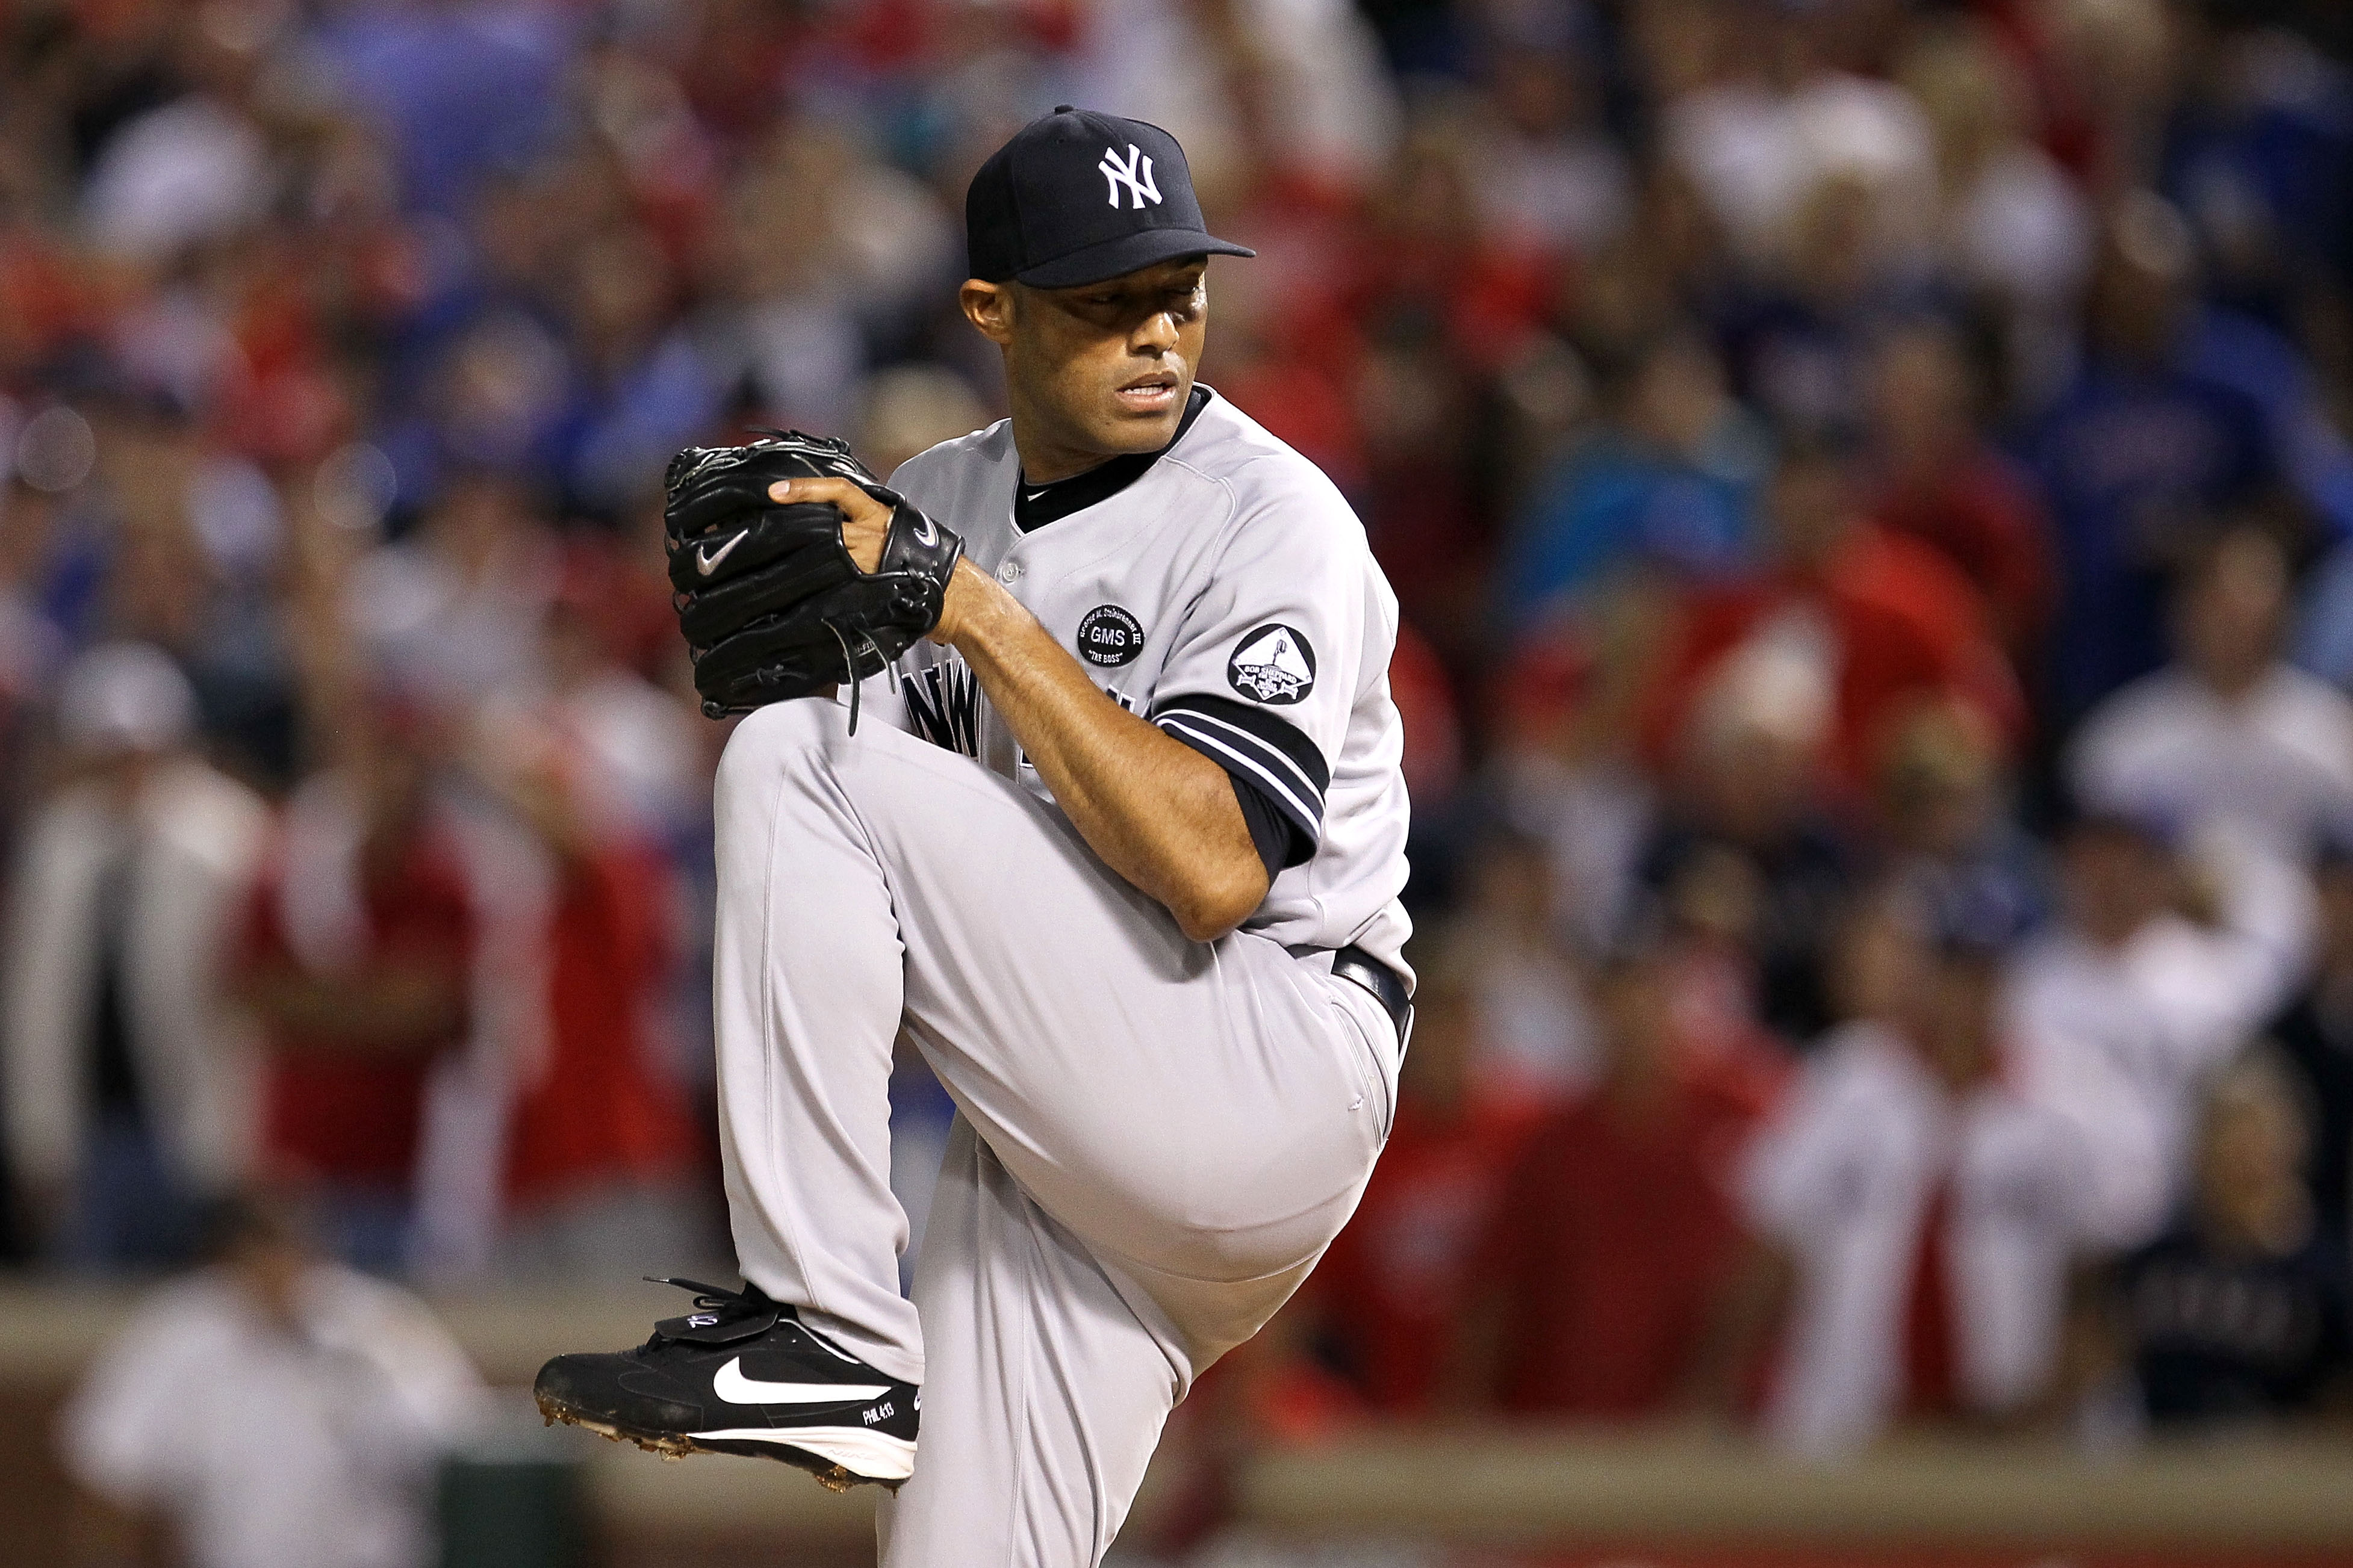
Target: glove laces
[849,664]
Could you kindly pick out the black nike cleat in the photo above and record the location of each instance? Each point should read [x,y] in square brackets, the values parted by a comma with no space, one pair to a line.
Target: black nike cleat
[743,1375]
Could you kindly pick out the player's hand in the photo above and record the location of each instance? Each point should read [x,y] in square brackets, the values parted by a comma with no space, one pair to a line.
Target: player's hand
[865,521]
[865,524]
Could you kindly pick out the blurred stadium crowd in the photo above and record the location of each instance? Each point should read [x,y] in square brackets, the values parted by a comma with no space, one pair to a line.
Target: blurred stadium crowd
[1867,484]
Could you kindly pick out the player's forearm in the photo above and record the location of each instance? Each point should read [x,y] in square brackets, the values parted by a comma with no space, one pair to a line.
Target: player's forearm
[1159,813]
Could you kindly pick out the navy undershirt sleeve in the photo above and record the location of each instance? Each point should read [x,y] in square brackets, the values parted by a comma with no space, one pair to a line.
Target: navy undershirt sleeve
[1279,843]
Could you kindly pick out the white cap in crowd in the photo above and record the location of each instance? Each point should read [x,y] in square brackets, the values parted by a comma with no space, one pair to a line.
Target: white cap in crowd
[125,697]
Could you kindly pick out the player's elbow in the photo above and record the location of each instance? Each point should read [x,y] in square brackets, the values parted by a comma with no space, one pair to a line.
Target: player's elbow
[1217,899]
[1207,922]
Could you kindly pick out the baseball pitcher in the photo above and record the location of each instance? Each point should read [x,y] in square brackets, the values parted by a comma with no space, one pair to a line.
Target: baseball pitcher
[1069,755]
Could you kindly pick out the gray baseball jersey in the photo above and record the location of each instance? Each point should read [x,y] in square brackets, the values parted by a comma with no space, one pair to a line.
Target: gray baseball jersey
[1227,594]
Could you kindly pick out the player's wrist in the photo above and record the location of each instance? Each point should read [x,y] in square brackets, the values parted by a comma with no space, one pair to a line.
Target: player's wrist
[973,599]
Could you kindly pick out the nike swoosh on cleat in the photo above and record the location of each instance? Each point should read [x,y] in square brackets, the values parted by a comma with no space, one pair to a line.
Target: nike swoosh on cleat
[730,1384]
[706,562]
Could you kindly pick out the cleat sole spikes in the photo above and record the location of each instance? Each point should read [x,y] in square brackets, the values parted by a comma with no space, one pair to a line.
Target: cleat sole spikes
[832,1476]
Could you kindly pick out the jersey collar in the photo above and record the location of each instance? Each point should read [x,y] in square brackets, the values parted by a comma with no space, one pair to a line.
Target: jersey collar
[1034,506]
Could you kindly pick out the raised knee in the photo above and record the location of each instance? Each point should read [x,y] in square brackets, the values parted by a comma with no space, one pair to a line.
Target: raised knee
[780,736]
[802,722]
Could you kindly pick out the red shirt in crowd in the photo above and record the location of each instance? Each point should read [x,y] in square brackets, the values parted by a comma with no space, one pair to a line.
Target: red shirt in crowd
[1394,1281]
[600,1109]
[329,1111]
[1610,1243]
[1981,514]
[1907,625]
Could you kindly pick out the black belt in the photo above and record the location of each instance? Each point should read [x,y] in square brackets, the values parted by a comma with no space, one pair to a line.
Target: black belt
[1353,962]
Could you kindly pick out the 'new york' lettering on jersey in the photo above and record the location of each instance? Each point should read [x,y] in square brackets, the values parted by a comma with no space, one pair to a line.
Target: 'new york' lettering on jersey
[1227,594]
[943,706]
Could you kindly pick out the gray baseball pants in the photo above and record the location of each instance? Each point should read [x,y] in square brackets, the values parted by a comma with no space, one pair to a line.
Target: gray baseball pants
[1156,1139]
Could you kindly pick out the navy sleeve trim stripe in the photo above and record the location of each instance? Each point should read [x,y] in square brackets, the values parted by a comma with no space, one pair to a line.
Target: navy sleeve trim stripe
[1283,741]
[1244,754]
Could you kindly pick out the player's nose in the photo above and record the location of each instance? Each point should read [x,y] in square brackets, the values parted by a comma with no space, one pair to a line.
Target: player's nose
[1157,334]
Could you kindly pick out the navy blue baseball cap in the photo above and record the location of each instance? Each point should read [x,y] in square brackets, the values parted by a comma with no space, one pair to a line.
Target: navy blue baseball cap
[1077,196]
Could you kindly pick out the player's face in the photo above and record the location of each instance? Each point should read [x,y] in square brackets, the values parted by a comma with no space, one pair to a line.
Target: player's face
[1101,370]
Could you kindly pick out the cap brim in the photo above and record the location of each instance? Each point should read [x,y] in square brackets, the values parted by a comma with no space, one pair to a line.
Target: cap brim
[1128,253]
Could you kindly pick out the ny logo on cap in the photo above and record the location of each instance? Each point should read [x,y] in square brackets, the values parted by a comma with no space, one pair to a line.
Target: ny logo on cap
[1134,172]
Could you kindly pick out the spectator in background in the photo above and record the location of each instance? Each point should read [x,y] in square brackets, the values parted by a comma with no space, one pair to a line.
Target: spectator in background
[788,321]
[2106,68]
[2229,733]
[1799,336]
[599,1141]
[2017,233]
[197,537]
[822,254]
[2239,1315]
[1745,848]
[130,1084]
[1669,480]
[1948,833]
[273,1410]
[1388,1294]
[1554,174]
[358,961]
[1522,972]
[191,170]
[2164,959]
[1613,1279]
[451,610]
[637,752]
[1446,303]
[2259,157]
[458,92]
[1878,620]
[1930,1212]
[492,404]
[644,388]
[2315,1035]
[2140,451]
[1934,479]
[1771,117]
[1563,757]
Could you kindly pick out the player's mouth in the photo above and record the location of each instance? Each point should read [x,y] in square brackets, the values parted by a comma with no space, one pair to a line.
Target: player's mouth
[1153,394]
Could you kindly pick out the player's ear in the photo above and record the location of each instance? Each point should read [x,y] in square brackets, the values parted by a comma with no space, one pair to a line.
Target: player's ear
[988,306]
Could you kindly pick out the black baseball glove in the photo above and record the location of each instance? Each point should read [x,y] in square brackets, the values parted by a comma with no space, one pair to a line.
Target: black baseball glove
[772,606]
